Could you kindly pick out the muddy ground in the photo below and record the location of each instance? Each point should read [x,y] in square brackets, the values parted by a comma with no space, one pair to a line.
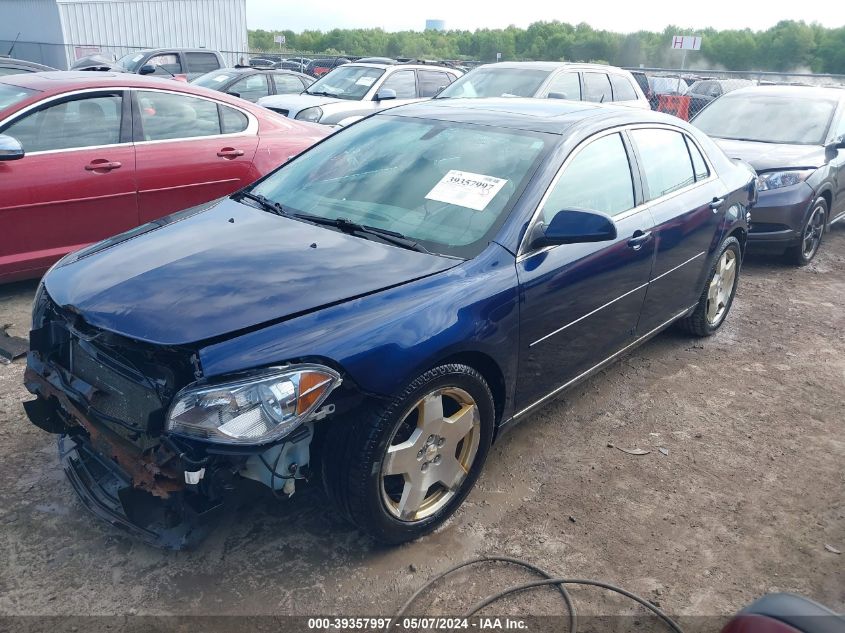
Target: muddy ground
[749,494]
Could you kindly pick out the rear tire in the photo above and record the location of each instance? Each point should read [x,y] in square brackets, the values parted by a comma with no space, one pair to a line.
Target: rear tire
[811,235]
[399,470]
[719,291]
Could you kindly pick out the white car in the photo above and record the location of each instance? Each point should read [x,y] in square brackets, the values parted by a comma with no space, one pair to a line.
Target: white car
[550,80]
[353,91]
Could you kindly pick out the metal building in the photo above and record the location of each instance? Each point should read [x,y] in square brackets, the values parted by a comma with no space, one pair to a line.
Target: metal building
[58,32]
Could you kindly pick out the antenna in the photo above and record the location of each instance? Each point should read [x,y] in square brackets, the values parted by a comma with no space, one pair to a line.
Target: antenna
[12,47]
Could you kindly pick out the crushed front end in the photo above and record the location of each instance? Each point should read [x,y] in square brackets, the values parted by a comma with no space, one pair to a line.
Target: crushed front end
[124,412]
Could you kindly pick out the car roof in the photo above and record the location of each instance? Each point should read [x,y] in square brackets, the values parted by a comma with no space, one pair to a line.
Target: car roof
[61,80]
[400,66]
[799,92]
[537,115]
[58,82]
[551,66]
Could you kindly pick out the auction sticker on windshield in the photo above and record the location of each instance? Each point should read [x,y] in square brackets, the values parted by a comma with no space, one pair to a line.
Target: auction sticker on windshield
[465,189]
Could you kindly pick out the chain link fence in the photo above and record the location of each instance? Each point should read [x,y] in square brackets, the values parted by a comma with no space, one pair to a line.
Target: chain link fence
[684,93]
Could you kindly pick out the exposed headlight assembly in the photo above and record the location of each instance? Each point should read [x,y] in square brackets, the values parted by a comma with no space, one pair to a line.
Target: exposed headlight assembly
[260,408]
[778,179]
[312,115]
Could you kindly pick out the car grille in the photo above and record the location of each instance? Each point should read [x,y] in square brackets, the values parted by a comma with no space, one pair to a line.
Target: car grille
[121,392]
[280,111]
[128,386]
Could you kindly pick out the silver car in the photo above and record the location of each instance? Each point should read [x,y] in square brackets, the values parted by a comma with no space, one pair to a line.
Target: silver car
[552,80]
[353,91]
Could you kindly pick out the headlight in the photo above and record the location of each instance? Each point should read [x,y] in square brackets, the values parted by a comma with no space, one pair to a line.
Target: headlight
[263,407]
[310,114]
[778,179]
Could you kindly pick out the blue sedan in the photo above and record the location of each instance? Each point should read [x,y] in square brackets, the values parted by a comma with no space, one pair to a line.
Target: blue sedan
[376,312]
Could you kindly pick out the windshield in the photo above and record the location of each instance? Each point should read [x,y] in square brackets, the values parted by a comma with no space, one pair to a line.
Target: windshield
[12,95]
[446,185]
[346,82]
[130,62]
[214,79]
[496,82]
[768,118]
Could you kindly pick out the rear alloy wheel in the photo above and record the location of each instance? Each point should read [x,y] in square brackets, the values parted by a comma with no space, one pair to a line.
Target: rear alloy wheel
[399,471]
[718,295]
[811,235]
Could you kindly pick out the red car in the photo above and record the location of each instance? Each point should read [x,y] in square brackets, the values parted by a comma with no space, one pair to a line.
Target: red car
[87,155]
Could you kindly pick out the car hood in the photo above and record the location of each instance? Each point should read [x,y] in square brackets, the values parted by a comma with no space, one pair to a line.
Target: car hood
[295,103]
[768,156]
[223,270]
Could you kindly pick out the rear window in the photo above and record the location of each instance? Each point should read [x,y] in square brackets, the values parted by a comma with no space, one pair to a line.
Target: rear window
[12,95]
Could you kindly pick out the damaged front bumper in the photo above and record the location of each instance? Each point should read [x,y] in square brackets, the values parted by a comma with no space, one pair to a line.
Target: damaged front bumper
[108,399]
[141,492]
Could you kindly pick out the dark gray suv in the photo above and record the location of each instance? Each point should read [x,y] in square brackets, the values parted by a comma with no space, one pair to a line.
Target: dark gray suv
[793,136]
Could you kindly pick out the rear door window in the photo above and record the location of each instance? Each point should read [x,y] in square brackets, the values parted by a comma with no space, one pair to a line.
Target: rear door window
[565,86]
[232,121]
[665,161]
[597,88]
[622,88]
[200,63]
[166,116]
[88,122]
[597,179]
[699,165]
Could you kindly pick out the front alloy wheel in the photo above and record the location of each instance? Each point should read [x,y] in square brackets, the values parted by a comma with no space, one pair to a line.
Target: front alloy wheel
[399,470]
[430,454]
[811,235]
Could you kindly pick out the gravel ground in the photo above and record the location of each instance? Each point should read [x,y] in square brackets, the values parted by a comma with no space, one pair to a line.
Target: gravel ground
[744,501]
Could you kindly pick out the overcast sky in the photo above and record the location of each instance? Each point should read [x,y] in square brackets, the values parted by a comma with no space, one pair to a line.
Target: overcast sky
[623,16]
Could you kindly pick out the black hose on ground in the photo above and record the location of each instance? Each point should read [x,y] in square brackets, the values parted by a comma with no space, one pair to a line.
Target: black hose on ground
[548,580]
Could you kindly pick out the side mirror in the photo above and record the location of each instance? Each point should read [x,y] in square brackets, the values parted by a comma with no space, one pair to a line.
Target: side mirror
[147,69]
[574,227]
[10,148]
[836,144]
[384,94]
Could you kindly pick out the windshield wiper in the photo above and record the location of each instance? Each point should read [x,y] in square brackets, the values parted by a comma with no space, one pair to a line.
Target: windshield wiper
[266,203]
[347,226]
[321,93]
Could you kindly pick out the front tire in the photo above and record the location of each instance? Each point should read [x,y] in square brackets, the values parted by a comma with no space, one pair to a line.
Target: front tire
[811,235]
[400,470]
[719,291]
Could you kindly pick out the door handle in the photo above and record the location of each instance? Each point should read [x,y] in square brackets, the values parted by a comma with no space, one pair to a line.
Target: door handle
[101,164]
[638,239]
[230,152]
[716,203]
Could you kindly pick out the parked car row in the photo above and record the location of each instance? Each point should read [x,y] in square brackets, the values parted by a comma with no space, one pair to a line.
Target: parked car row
[370,306]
